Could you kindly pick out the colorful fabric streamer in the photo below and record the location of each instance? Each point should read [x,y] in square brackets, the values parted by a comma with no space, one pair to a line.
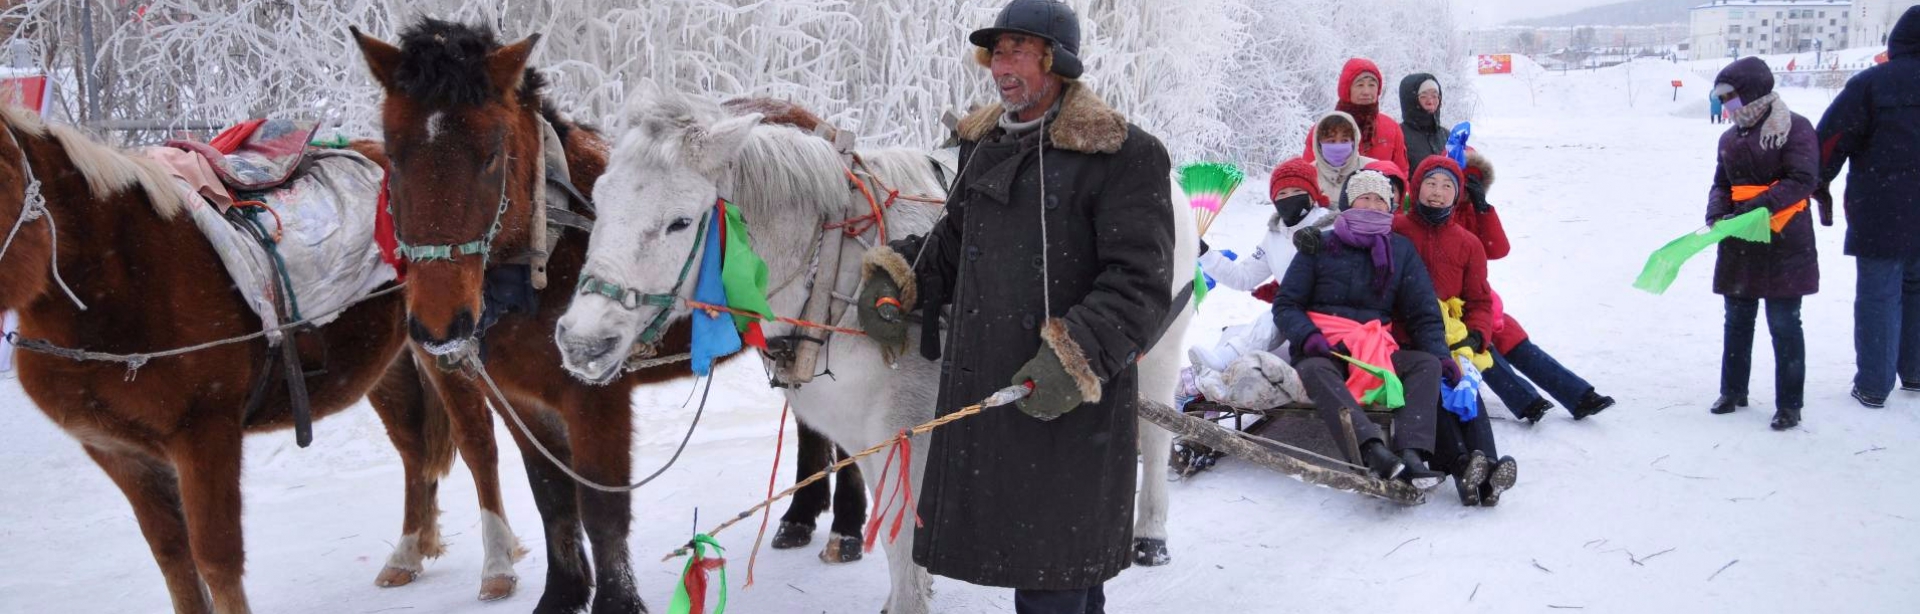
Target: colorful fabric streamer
[1391,394]
[1663,266]
[690,594]
[745,276]
[714,334]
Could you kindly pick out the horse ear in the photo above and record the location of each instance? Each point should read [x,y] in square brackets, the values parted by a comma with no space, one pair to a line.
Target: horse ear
[506,64]
[719,144]
[382,59]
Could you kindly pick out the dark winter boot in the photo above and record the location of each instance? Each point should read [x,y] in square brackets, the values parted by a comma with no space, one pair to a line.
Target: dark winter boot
[1382,462]
[1910,386]
[1505,474]
[1591,404]
[1537,410]
[1869,401]
[792,535]
[1417,472]
[1727,404]
[1473,471]
[1786,418]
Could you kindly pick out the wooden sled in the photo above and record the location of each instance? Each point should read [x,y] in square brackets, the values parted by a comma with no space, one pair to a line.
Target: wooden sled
[1310,454]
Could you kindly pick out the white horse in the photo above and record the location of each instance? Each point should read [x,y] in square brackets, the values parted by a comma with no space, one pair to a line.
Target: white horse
[680,154]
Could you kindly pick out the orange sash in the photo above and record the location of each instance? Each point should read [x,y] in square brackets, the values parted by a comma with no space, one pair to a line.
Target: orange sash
[1743,193]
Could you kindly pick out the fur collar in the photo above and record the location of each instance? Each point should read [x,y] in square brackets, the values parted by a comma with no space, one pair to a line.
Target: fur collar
[1085,124]
[1479,162]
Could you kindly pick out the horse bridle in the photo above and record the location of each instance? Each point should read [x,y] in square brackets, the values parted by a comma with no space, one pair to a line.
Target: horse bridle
[482,246]
[633,299]
[33,204]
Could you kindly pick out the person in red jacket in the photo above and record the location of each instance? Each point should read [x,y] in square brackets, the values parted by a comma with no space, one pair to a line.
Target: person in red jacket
[1380,137]
[1458,266]
[1481,218]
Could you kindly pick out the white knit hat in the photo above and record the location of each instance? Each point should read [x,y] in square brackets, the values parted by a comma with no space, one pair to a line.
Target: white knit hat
[1369,182]
[1429,85]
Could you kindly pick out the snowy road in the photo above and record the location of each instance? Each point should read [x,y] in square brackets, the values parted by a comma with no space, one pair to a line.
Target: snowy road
[1639,510]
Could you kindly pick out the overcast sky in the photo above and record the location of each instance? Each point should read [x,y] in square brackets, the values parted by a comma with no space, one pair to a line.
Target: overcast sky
[1482,13]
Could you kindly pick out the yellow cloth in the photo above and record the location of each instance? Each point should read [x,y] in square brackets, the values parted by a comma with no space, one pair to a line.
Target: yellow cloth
[1454,311]
[1743,193]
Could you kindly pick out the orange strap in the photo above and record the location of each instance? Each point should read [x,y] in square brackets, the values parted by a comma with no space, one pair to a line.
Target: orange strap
[1743,193]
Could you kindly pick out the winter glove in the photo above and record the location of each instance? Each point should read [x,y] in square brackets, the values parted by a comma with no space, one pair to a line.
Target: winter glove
[1824,197]
[1316,346]
[1474,341]
[883,304]
[1267,291]
[1307,240]
[1477,192]
[1054,392]
[1450,372]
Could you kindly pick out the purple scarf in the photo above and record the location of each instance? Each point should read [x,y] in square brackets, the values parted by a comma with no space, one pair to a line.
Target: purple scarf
[1369,230]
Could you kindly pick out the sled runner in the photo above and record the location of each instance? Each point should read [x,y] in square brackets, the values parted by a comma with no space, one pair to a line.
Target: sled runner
[1303,449]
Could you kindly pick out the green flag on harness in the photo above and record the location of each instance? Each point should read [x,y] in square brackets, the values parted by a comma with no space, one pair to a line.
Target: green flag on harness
[744,275]
[1664,265]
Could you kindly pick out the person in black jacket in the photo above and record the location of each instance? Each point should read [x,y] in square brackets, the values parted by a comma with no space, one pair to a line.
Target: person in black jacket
[1058,279]
[1873,127]
[1364,273]
[1420,104]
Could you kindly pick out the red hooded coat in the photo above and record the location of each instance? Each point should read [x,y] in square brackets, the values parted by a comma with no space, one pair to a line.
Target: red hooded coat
[1454,258]
[1386,142]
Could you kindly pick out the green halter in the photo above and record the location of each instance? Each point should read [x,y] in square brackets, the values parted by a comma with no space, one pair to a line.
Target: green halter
[482,246]
[633,299]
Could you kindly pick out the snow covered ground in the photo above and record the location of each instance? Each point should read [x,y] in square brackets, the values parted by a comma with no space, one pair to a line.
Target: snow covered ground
[1653,506]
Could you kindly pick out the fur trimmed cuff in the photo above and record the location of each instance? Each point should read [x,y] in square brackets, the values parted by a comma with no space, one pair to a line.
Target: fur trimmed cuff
[1056,335]
[883,258]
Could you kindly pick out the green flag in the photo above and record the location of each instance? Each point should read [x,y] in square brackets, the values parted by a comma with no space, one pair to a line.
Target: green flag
[690,593]
[1392,393]
[743,273]
[1199,286]
[1664,265]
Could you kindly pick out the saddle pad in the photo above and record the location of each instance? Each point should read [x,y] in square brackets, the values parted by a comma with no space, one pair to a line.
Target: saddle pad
[325,217]
[256,155]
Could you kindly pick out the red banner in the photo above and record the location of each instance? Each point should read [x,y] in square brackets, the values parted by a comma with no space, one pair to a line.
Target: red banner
[25,92]
[1501,64]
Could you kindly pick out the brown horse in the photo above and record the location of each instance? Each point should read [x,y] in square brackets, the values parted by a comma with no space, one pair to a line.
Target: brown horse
[462,118]
[169,434]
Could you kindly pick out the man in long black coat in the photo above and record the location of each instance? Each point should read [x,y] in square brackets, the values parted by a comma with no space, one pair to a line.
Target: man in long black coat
[1061,282]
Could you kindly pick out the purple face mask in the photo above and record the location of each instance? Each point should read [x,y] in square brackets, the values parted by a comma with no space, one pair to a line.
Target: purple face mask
[1733,104]
[1337,153]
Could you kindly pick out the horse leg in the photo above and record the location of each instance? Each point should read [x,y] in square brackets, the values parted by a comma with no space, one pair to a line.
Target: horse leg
[207,459]
[569,579]
[418,425]
[1150,514]
[911,589]
[812,454]
[154,491]
[600,427]
[473,433]
[849,512]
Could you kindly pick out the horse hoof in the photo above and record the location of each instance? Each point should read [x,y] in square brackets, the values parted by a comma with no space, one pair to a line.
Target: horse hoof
[792,535]
[394,576]
[841,549]
[1149,552]
[498,587]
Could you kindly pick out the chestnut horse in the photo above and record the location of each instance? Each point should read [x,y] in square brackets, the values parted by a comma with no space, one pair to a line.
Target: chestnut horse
[463,119]
[168,433]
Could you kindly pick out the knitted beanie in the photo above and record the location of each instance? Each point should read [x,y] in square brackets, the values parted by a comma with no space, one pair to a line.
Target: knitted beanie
[1369,182]
[1296,173]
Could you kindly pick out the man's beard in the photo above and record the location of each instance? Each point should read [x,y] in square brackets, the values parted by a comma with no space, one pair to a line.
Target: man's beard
[1033,97]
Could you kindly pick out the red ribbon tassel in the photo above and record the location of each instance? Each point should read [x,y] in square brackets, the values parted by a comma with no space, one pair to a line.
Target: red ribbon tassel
[903,490]
[696,581]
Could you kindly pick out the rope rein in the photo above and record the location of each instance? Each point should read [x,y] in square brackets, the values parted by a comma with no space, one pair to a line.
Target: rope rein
[33,206]
[1004,396]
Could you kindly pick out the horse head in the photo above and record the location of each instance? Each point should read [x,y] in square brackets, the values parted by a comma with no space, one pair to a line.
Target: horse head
[461,120]
[669,169]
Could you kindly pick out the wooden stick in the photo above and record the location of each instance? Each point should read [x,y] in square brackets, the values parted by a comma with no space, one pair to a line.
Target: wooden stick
[1219,438]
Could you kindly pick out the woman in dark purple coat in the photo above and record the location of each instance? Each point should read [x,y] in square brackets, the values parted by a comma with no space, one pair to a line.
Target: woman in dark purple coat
[1769,159]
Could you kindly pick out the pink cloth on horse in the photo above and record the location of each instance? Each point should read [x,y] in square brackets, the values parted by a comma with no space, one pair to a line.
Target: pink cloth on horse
[1371,343]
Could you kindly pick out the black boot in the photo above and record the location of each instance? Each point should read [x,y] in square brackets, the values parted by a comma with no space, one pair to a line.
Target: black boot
[1728,403]
[1383,463]
[1868,400]
[1910,386]
[1785,418]
[1591,404]
[1505,473]
[1417,472]
[1536,410]
[1473,470]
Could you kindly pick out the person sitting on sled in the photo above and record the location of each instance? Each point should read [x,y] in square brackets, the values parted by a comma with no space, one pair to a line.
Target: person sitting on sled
[1339,305]
[1457,264]
[1298,203]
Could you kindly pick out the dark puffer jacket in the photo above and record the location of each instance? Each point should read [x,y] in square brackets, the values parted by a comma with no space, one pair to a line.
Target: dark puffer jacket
[1788,266]
[1424,134]
[1874,125]
[1339,281]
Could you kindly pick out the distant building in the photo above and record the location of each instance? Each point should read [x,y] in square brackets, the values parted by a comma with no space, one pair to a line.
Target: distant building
[1544,40]
[1873,20]
[1725,28]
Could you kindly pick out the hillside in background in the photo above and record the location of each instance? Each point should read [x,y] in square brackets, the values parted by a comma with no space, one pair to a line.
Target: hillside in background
[1635,13]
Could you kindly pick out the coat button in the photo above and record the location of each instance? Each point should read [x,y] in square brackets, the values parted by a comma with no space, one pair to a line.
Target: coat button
[1039,263]
[1027,321]
[973,253]
[1053,201]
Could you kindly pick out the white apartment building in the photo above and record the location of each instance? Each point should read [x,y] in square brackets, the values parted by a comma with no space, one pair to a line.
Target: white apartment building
[1726,28]
[1873,20]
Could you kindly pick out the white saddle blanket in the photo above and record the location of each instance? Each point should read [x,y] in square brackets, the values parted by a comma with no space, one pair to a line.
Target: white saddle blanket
[326,217]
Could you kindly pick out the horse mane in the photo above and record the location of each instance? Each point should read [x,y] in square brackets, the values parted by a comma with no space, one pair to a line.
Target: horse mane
[107,170]
[443,64]
[766,173]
